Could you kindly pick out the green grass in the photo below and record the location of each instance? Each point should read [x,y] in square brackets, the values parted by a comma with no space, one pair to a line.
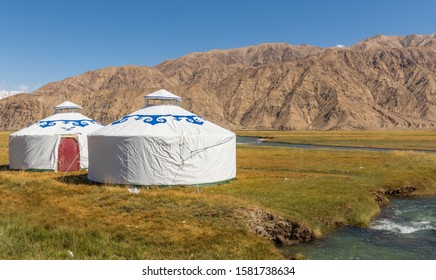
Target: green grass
[43,218]
[323,188]
[42,215]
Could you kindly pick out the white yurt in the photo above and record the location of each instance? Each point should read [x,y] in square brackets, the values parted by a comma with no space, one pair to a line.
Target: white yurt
[58,142]
[162,145]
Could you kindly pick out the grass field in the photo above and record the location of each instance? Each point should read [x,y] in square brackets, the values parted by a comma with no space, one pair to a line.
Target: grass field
[395,139]
[42,215]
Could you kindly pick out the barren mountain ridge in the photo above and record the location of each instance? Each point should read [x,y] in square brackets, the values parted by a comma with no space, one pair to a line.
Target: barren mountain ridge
[380,82]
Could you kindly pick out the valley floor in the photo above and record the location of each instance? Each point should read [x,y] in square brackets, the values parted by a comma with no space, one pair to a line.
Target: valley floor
[43,215]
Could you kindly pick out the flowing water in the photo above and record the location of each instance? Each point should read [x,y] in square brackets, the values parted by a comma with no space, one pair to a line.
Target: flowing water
[259,142]
[405,230]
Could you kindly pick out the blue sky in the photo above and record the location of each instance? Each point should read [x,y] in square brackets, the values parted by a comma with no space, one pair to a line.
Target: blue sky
[49,40]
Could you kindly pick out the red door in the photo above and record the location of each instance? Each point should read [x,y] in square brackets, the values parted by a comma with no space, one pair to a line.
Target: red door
[68,155]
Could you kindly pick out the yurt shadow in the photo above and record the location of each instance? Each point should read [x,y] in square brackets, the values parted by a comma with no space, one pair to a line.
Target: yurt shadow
[4,167]
[75,179]
[82,179]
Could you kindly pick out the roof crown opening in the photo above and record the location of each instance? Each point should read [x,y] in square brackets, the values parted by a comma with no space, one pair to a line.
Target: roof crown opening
[67,107]
[161,97]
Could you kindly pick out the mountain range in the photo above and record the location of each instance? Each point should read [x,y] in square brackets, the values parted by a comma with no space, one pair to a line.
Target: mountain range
[378,83]
[4,93]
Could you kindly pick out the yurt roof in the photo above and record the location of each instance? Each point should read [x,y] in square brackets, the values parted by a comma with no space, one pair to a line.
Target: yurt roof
[61,123]
[162,94]
[67,105]
[162,121]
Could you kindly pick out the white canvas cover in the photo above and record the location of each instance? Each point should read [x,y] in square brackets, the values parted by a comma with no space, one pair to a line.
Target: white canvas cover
[162,94]
[67,105]
[36,146]
[162,145]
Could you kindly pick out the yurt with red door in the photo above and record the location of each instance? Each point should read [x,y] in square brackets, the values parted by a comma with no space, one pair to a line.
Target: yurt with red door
[57,143]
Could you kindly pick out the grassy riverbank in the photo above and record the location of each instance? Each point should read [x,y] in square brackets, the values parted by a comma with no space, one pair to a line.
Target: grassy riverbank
[42,215]
[394,139]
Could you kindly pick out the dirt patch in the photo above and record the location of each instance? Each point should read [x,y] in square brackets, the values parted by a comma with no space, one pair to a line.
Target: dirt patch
[402,191]
[381,197]
[277,229]
[286,232]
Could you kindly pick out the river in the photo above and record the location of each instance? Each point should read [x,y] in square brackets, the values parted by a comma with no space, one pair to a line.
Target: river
[405,229]
[259,142]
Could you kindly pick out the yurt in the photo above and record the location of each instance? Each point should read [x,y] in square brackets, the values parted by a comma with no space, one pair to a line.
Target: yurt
[162,145]
[58,142]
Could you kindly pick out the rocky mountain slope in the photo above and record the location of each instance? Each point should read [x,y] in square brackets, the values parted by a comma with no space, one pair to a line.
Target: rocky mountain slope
[380,82]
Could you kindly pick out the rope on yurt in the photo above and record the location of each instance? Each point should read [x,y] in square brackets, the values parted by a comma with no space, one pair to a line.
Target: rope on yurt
[194,153]
[65,173]
[5,146]
[197,151]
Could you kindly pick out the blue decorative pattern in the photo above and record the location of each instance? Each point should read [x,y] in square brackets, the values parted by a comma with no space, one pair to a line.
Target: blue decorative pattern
[159,119]
[68,125]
